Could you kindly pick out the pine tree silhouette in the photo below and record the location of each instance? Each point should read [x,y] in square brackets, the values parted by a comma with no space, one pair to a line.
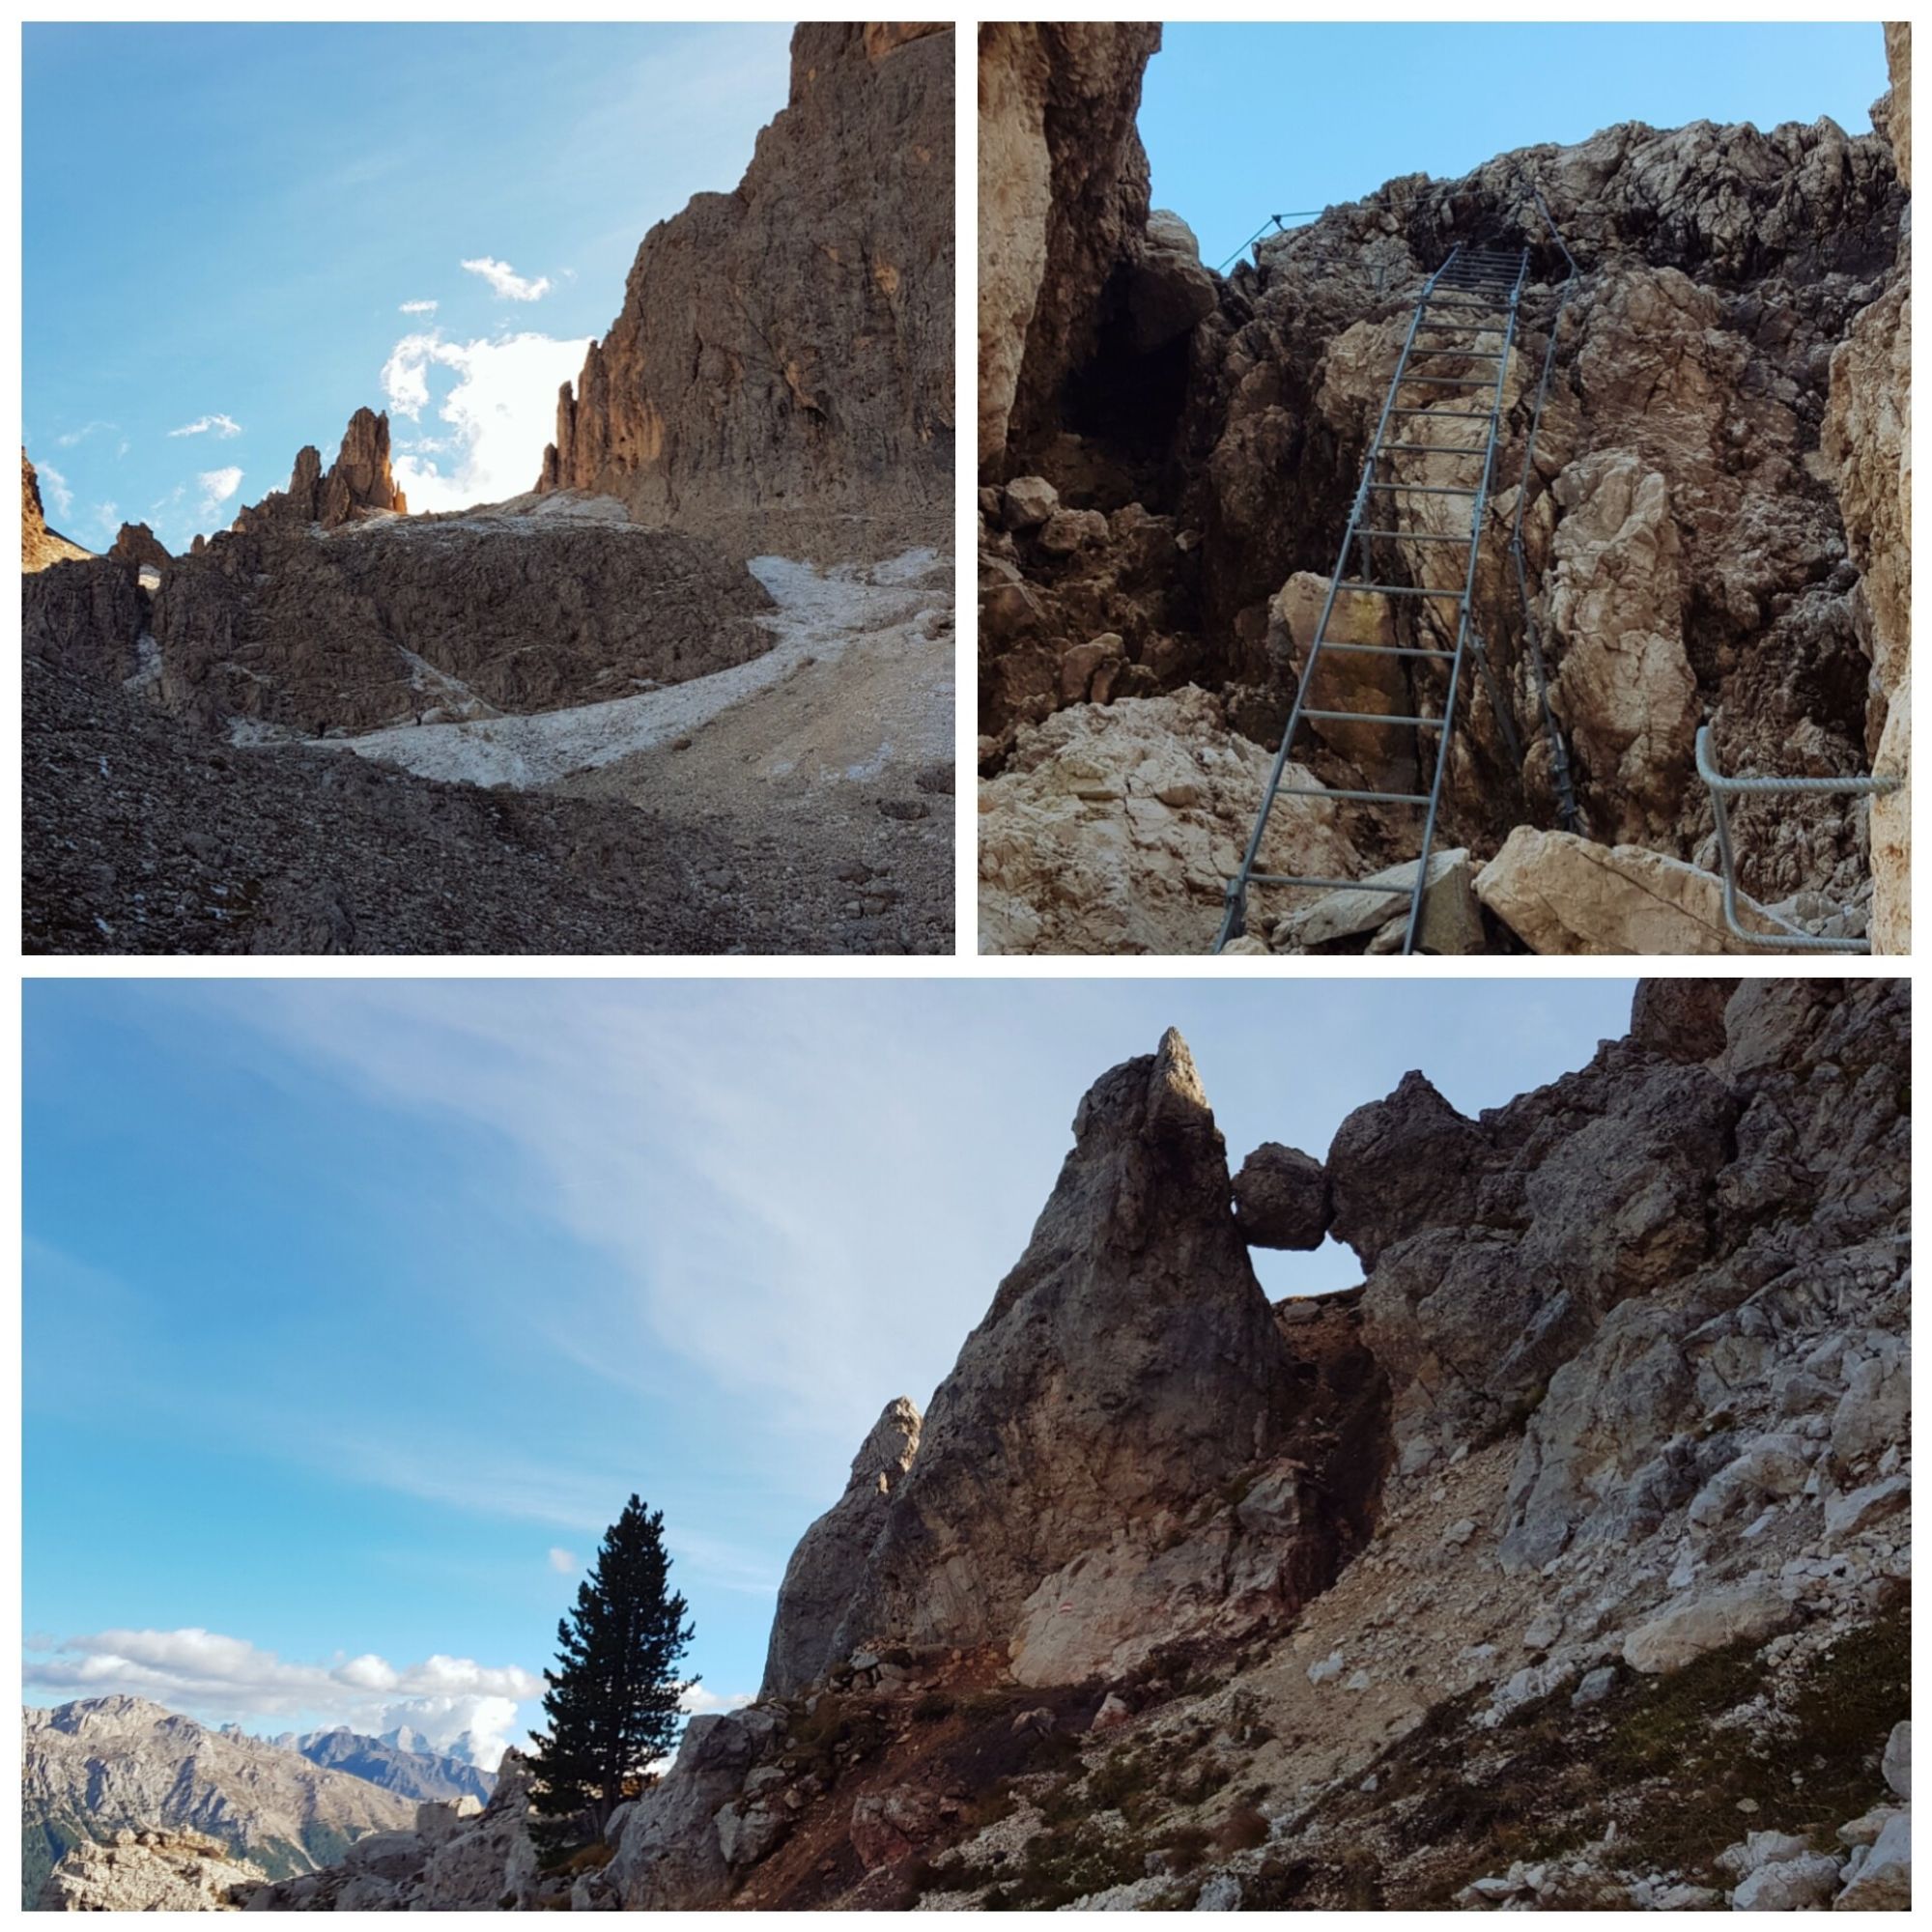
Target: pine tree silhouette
[614,1699]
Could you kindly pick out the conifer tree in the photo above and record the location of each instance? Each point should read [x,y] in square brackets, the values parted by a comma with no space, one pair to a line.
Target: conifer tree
[614,1699]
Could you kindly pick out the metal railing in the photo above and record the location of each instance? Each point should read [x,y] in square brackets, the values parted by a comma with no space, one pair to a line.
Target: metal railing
[1787,938]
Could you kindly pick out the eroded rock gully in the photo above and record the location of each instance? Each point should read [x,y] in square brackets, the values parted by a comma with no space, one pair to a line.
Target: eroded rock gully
[1715,530]
[1174,1597]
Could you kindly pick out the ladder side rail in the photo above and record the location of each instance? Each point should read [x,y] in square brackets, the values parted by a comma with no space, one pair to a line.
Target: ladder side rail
[1234,917]
[1480,508]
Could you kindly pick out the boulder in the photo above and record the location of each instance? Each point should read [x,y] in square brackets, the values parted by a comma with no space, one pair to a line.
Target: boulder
[1686,1630]
[1115,828]
[1167,291]
[1845,1516]
[888,1826]
[1899,1758]
[1879,1876]
[1562,893]
[1027,502]
[1452,921]
[670,1855]
[1798,1884]
[1281,1197]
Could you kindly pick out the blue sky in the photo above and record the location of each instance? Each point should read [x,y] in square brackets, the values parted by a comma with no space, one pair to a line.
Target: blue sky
[1241,121]
[354,1310]
[222,224]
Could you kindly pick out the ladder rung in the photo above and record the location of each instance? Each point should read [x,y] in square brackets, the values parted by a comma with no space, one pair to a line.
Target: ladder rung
[1374,797]
[1418,536]
[1399,590]
[1468,355]
[1332,885]
[1451,382]
[1425,490]
[1430,448]
[1377,718]
[1384,650]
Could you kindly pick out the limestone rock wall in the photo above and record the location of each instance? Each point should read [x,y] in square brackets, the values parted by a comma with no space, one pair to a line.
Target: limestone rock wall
[787,349]
[1868,438]
[1709,525]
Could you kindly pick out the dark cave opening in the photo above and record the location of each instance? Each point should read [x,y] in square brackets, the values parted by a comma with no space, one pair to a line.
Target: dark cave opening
[1127,403]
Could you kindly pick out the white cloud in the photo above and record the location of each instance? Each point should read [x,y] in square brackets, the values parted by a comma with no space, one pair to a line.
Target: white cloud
[75,436]
[506,282]
[500,408]
[564,1562]
[216,425]
[226,1679]
[217,487]
[698,1702]
[107,519]
[417,307]
[55,488]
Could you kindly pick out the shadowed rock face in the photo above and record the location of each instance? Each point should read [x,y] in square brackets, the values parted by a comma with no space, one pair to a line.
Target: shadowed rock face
[135,545]
[398,622]
[788,346]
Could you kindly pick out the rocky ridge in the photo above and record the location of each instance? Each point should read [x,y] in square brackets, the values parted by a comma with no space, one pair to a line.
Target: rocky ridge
[1710,524]
[104,1765]
[783,364]
[1562,1563]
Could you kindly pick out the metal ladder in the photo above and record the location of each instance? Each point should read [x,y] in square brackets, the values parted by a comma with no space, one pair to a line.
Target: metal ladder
[1474,294]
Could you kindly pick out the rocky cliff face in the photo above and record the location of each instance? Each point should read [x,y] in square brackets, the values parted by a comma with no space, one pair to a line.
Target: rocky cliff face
[1868,436]
[1063,201]
[109,1765]
[783,357]
[1707,520]
[38,545]
[1128,1367]
[1563,1563]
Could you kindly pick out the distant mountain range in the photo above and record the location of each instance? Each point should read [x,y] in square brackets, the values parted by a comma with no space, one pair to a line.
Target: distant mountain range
[401,1760]
[290,1805]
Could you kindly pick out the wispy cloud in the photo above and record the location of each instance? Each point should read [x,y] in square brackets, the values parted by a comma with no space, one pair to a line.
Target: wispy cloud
[70,439]
[417,307]
[219,486]
[55,488]
[564,1562]
[227,1679]
[220,426]
[505,281]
